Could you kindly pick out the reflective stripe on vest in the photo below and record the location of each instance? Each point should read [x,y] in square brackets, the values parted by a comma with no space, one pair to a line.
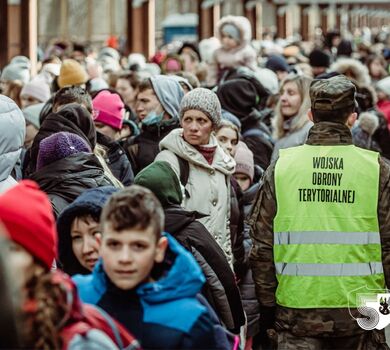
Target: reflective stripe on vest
[315,237]
[357,269]
[326,232]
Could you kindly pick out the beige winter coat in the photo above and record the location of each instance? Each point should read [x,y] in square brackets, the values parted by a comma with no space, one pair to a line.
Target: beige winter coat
[208,185]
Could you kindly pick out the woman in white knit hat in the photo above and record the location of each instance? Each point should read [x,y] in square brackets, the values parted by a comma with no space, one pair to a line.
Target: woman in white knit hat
[34,92]
[201,164]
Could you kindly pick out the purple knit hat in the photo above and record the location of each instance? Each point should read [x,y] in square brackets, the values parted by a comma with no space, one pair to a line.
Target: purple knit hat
[58,146]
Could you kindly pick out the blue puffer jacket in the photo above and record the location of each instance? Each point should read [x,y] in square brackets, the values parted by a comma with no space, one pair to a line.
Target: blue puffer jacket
[163,314]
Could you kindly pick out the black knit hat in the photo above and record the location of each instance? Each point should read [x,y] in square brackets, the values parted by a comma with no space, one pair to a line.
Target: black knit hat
[318,58]
[238,96]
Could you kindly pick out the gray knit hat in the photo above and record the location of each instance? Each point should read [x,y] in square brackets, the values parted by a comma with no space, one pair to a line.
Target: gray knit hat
[203,100]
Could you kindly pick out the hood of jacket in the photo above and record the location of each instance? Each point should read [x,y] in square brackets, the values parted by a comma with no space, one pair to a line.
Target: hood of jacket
[177,219]
[162,181]
[71,176]
[13,124]
[182,277]
[353,69]
[89,202]
[72,118]
[169,93]
[175,143]
[240,22]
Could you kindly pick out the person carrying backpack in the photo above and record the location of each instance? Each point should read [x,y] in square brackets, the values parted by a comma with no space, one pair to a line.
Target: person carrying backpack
[145,279]
[210,168]
[220,289]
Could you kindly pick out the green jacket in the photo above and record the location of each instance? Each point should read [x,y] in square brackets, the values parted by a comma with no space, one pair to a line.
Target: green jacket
[309,322]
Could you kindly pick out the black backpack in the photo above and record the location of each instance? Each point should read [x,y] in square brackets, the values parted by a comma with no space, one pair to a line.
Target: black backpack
[184,173]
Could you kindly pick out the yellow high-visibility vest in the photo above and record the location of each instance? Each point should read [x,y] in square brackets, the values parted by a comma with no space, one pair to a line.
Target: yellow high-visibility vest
[326,231]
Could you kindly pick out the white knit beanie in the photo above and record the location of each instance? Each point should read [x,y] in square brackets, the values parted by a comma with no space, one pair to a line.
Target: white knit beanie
[37,89]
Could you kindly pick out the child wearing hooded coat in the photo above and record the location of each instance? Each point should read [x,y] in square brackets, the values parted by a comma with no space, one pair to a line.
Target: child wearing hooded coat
[220,289]
[235,34]
[145,279]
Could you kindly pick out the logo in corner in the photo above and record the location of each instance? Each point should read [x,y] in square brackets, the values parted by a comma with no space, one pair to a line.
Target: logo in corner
[373,306]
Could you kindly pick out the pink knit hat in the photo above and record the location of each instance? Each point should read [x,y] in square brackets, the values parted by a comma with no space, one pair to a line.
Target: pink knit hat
[244,161]
[109,109]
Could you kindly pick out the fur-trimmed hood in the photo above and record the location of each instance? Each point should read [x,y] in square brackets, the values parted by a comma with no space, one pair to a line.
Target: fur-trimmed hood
[353,69]
[242,23]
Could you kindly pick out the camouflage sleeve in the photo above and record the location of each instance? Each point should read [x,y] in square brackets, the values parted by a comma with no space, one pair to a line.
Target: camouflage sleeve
[261,230]
[384,217]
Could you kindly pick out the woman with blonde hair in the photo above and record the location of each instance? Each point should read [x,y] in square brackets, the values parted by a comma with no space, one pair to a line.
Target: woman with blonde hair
[227,135]
[291,123]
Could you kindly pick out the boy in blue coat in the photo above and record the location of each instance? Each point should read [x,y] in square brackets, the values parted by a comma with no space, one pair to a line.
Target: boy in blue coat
[146,280]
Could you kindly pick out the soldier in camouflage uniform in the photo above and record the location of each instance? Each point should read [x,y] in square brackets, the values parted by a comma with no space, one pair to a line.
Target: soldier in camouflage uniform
[314,328]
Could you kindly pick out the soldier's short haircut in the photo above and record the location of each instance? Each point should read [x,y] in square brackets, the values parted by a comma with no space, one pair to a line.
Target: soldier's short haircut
[336,116]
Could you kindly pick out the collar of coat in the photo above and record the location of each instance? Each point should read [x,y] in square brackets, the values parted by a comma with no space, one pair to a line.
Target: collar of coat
[175,143]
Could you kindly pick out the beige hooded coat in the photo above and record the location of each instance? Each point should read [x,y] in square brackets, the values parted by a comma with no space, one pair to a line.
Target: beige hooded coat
[208,185]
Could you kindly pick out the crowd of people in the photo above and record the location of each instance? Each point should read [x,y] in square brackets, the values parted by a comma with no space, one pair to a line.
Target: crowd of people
[149,202]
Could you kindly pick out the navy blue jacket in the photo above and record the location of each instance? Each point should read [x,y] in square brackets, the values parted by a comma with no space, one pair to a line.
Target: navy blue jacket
[164,314]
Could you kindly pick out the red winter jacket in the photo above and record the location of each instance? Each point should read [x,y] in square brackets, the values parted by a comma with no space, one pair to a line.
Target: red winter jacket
[384,107]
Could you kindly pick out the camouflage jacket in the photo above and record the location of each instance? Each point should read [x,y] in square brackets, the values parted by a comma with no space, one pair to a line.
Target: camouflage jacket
[308,322]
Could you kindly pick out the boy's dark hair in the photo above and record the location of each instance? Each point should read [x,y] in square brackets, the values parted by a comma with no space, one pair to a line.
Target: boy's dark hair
[336,116]
[72,94]
[134,207]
